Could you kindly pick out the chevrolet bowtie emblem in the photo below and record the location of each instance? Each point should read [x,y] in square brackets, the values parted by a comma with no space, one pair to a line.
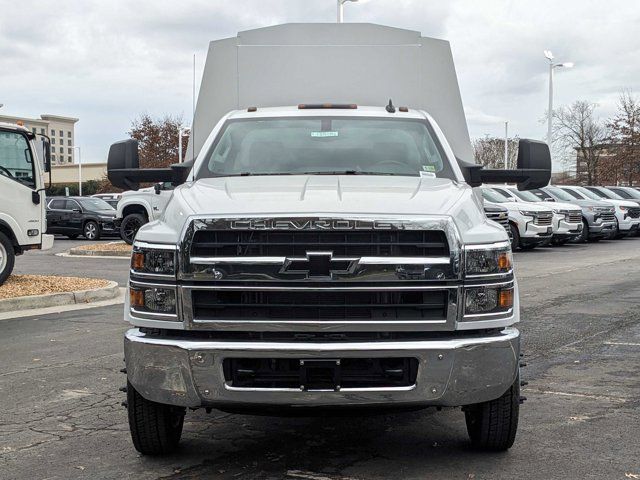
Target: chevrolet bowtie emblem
[319,265]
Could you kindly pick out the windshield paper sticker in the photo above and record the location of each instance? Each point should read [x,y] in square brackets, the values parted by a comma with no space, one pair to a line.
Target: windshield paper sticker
[324,134]
[429,168]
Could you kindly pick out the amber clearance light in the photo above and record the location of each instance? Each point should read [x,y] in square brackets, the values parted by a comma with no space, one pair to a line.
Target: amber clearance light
[505,298]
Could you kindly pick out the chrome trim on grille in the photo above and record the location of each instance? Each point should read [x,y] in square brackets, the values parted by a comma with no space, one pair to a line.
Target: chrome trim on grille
[367,268]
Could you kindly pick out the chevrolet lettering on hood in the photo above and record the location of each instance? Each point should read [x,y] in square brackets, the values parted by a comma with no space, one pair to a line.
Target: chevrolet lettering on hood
[309,224]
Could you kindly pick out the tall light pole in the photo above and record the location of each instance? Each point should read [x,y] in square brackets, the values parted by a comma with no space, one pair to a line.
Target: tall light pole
[552,66]
[341,9]
[79,171]
[506,145]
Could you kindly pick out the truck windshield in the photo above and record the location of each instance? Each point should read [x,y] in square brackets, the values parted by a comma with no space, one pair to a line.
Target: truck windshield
[606,193]
[561,194]
[493,196]
[589,194]
[326,146]
[525,195]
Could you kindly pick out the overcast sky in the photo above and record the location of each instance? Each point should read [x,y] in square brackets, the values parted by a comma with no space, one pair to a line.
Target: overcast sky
[106,62]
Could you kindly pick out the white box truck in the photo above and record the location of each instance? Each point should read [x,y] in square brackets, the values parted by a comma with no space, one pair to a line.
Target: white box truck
[326,247]
[23,224]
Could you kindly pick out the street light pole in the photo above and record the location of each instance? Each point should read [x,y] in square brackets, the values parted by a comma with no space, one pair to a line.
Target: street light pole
[506,145]
[549,56]
[341,9]
[79,171]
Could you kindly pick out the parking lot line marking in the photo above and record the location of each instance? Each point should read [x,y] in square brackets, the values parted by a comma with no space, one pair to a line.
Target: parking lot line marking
[583,395]
[626,344]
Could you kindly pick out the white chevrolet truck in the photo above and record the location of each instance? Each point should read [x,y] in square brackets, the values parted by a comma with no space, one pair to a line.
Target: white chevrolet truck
[324,255]
[23,161]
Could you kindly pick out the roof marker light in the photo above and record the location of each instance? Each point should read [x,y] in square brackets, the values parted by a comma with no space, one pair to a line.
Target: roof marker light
[320,106]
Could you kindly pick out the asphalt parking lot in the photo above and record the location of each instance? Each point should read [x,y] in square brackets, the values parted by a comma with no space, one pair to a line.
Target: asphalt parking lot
[61,416]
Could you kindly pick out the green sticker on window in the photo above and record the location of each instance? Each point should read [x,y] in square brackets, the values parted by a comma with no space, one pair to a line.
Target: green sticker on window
[324,134]
[428,168]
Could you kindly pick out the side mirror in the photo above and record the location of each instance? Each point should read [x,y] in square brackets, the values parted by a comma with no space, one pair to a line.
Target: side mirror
[534,168]
[47,154]
[549,200]
[123,168]
[157,188]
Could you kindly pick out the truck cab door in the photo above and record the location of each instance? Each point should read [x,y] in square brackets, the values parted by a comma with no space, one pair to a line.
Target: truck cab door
[18,182]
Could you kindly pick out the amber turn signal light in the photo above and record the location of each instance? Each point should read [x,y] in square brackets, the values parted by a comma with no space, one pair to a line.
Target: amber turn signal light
[505,298]
[136,298]
[504,261]
[137,261]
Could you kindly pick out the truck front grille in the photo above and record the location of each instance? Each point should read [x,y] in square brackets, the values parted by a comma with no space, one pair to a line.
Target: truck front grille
[261,243]
[574,216]
[500,217]
[634,212]
[608,217]
[320,305]
[543,219]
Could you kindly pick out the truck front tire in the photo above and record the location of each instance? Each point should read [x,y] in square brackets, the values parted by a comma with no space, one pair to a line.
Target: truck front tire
[155,428]
[492,425]
[7,257]
[130,226]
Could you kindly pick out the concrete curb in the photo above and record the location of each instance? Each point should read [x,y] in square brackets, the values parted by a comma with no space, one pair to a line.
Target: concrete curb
[112,290]
[79,251]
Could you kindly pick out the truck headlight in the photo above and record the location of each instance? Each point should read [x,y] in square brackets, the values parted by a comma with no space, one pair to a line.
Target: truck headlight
[152,261]
[479,300]
[527,213]
[488,259]
[153,299]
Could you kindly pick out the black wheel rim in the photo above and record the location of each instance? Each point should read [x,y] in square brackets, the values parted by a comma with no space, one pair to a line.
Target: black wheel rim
[131,228]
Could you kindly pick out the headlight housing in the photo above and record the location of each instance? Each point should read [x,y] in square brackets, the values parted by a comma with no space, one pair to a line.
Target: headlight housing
[152,299]
[527,213]
[481,260]
[488,300]
[158,260]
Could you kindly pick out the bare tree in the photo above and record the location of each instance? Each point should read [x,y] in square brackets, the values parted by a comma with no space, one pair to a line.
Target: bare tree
[489,151]
[576,129]
[624,130]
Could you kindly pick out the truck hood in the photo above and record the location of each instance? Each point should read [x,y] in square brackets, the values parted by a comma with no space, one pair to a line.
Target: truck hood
[325,195]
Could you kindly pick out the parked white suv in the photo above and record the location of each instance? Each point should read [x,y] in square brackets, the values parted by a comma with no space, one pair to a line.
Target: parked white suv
[626,224]
[567,217]
[531,224]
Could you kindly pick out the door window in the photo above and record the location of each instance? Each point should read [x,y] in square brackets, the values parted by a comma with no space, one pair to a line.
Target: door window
[57,204]
[72,205]
[16,161]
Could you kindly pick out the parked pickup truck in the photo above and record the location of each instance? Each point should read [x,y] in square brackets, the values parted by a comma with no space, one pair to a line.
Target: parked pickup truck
[598,218]
[531,224]
[321,255]
[567,217]
[137,207]
[626,211]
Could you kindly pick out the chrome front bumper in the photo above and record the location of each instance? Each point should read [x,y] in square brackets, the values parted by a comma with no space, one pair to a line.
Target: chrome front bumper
[451,372]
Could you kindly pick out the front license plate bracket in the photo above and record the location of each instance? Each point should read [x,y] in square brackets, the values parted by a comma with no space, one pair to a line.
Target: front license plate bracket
[322,374]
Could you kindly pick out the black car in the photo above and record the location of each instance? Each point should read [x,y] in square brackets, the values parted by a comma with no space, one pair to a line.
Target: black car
[75,216]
